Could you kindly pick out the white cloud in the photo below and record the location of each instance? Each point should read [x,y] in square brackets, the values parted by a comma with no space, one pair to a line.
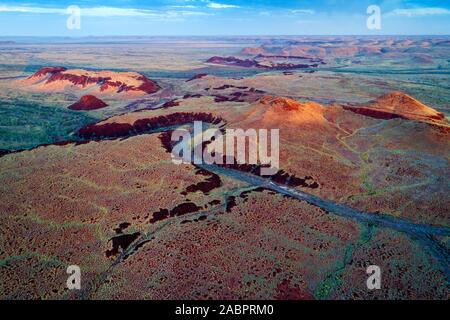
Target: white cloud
[185,7]
[104,11]
[6,8]
[419,12]
[303,11]
[116,12]
[215,5]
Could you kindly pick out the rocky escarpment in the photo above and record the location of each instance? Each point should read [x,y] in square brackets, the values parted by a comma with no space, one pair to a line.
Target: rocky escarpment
[116,130]
[197,76]
[259,63]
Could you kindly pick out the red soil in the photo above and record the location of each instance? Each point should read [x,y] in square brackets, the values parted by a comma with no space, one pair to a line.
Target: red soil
[287,291]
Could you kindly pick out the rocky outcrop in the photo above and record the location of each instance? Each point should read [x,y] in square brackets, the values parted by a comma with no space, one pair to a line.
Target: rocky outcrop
[116,130]
[283,103]
[399,105]
[45,71]
[282,111]
[232,61]
[57,79]
[197,76]
[88,102]
[259,64]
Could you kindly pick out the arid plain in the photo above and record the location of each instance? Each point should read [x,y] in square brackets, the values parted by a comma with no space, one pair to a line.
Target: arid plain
[87,179]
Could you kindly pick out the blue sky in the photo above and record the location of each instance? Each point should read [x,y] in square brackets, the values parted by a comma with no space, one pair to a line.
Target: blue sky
[222,17]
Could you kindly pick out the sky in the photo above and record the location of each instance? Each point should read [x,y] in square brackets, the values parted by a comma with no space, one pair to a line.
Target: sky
[222,17]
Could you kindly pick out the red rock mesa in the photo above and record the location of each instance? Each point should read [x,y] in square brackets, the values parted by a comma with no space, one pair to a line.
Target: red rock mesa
[104,82]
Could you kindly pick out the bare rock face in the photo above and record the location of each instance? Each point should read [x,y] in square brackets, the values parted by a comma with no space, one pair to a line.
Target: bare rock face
[104,82]
[197,76]
[88,102]
[283,103]
[232,61]
[45,71]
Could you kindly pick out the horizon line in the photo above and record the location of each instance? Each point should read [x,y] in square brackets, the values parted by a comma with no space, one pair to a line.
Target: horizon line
[225,35]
